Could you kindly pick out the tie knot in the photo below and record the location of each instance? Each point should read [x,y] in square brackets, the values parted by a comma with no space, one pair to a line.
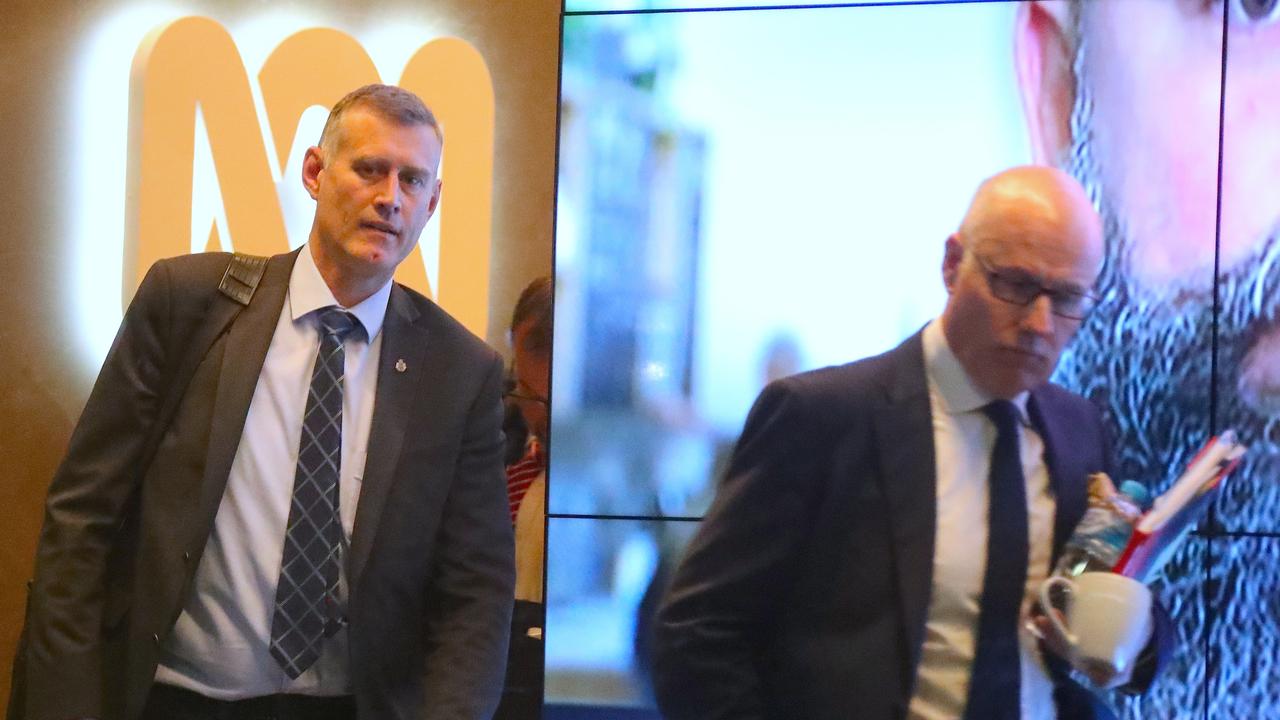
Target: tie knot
[337,322]
[1003,413]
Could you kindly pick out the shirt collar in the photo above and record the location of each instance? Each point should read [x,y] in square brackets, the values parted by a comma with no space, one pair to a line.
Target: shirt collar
[308,292]
[955,388]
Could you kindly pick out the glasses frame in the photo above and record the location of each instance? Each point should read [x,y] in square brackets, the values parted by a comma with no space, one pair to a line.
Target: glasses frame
[1003,288]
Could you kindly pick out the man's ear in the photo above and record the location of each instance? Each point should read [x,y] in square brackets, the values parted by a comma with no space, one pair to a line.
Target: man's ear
[952,254]
[312,165]
[1043,57]
[435,199]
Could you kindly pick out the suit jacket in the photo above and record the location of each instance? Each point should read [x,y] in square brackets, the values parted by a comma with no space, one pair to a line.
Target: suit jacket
[806,590]
[430,565]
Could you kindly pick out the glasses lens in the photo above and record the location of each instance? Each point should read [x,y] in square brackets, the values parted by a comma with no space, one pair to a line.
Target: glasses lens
[1072,305]
[1008,289]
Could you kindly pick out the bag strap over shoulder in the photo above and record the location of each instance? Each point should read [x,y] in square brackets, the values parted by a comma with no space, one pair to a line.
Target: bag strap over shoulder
[242,277]
[239,283]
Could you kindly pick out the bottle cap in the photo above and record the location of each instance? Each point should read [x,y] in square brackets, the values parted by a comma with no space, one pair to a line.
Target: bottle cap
[1137,492]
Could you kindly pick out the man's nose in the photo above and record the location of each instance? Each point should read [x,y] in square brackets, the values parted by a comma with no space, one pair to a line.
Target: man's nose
[1038,316]
[389,197]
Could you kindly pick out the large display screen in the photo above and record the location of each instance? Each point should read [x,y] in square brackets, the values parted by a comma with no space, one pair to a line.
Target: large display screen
[746,193]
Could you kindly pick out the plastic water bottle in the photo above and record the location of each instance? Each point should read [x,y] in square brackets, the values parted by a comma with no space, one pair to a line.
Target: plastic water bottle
[1104,530]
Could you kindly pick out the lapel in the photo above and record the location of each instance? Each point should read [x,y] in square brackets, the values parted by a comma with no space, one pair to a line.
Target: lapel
[250,336]
[1070,500]
[403,339]
[1065,471]
[904,434]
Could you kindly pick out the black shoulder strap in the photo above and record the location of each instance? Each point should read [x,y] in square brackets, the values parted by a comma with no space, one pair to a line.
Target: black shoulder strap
[242,277]
[239,283]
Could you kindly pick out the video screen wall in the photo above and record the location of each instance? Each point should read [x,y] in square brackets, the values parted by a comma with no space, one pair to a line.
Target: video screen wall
[747,192]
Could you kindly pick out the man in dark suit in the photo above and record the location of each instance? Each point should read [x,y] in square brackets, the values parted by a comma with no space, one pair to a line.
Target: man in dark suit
[321,529]
[875,546]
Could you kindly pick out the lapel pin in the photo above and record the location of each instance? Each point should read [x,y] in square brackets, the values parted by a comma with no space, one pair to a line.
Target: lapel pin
[401,366]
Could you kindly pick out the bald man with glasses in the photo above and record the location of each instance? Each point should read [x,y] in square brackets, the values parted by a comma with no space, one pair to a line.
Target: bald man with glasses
[875,547]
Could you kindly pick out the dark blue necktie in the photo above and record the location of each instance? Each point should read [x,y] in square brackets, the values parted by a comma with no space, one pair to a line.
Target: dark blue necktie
[306,609]
[995,685]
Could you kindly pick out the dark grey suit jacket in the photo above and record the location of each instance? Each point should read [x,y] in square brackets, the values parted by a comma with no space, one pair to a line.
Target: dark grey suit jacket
[805,592]
[431,560]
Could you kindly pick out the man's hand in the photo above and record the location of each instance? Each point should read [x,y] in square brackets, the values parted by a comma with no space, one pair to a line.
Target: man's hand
[1100,673]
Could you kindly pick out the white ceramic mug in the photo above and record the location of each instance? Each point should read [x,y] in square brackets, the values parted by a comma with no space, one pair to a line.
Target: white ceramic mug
[1108,618]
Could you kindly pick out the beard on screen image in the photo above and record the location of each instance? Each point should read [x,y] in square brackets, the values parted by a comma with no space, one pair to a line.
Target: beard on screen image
[1145,354]
[1146,357]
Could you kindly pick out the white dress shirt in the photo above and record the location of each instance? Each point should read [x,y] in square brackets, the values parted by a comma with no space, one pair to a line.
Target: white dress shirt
[220,644]
[963,439]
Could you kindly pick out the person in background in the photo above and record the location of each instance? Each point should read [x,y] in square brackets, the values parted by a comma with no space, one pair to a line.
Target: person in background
[531,323]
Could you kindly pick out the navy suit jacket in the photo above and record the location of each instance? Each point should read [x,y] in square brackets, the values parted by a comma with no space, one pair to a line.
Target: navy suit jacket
[805,592]
[430,565]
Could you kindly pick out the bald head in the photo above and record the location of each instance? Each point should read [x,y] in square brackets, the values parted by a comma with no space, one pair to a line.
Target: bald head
[1029,204]
[1018,273]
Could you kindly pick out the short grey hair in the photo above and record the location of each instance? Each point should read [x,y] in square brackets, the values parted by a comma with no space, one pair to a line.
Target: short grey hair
[391,102]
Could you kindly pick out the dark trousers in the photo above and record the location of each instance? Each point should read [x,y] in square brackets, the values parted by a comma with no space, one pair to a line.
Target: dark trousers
[170,703]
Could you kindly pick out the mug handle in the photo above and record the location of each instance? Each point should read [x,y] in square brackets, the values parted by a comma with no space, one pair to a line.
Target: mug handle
[1048,585]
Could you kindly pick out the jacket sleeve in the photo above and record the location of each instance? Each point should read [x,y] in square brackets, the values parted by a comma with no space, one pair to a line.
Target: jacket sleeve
[718,609]
[87,504]
[472,589]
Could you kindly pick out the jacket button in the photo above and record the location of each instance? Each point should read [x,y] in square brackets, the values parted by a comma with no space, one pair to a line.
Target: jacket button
[186,556]
[155,638]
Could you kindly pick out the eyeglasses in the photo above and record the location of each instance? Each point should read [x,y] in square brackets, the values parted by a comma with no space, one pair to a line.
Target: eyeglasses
[1021,289]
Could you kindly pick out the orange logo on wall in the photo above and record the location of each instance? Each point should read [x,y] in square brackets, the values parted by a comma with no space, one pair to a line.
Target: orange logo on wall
[193,62]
